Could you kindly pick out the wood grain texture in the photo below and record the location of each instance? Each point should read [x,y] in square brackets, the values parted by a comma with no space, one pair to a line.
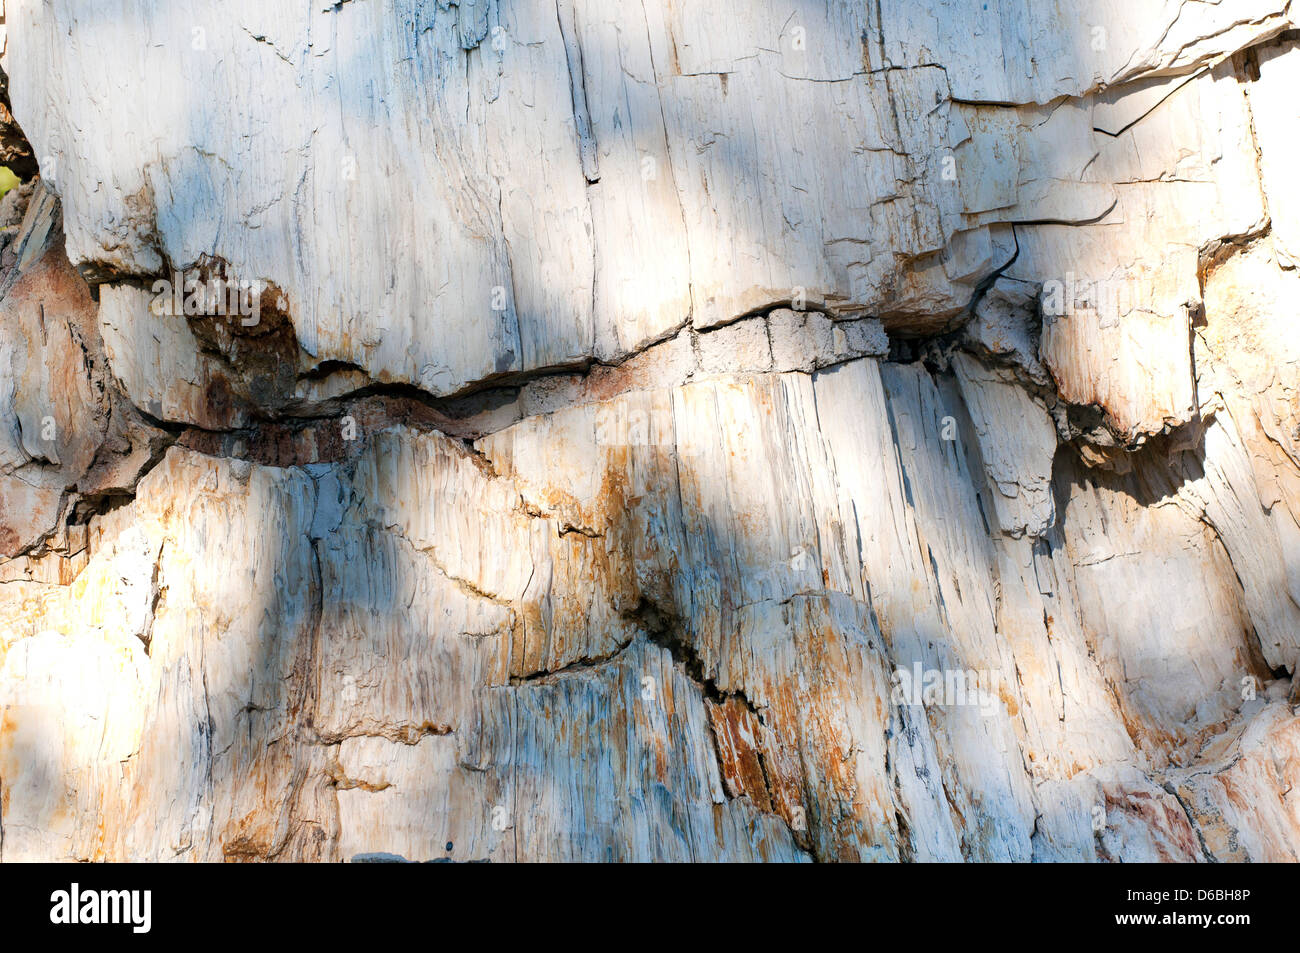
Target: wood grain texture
[694,432]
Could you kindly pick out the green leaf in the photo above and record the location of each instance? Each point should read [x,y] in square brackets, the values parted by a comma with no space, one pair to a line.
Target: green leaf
[7,180]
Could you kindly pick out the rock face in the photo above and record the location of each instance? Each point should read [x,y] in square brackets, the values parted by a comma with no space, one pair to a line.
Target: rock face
[619,430]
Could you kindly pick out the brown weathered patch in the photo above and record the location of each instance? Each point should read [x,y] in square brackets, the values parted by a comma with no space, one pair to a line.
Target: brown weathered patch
[10,544]
[735,729]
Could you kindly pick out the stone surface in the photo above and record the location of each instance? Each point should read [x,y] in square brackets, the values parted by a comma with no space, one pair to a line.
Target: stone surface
[663,432]
[68,436]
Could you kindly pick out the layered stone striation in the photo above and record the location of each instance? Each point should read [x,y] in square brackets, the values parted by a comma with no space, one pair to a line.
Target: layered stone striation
[839,431]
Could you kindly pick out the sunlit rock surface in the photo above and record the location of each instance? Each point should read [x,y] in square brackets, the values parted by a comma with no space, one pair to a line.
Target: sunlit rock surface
[841,431]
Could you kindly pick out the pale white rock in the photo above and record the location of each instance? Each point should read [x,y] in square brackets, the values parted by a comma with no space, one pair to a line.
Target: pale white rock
[1031,164]
[1272,106]
[405,715]
[743,345]
[1247,483]
[643,283]
[1110,815]
[650,172]
[1005,51]
[1119,295]
[673,432]
[1017,445]
[1255,765]
[809,340]
[137,341]
[1181,679]
[1004,325]
[66,430]
[1223,492]
[1116,109]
